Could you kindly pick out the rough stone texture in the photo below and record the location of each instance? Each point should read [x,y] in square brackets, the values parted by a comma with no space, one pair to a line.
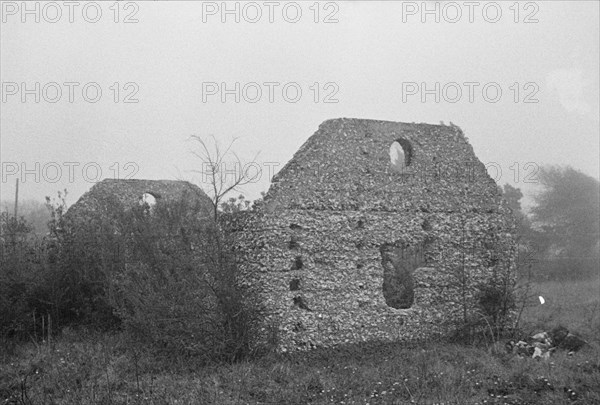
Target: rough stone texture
[110,197]
[314,251]
[346,248]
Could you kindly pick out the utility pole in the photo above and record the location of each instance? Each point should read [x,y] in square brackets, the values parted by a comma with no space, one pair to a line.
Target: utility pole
[17,199]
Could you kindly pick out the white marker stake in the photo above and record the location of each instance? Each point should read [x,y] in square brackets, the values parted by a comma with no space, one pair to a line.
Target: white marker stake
[542,300]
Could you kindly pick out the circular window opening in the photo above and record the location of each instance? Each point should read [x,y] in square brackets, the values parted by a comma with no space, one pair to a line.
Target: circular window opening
[148,199]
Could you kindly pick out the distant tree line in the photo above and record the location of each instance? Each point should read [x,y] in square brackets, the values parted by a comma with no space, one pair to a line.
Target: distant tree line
[561,234]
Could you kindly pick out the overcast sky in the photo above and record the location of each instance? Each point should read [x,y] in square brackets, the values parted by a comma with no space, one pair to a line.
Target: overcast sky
[367,59]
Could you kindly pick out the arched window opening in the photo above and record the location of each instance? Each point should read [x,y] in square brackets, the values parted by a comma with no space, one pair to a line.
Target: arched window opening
[400,155]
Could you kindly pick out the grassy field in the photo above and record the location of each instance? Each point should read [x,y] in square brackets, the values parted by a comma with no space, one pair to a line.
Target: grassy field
[575,305]
[80,368]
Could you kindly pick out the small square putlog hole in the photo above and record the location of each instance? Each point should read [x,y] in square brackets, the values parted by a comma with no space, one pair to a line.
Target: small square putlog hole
[300,303]
[293,243]
[298,264]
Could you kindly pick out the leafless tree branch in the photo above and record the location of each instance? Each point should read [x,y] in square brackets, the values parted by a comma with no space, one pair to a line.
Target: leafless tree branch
[213,160]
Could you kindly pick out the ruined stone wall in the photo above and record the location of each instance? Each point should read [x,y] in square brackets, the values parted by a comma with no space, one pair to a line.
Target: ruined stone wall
[104,210]
[316,249]
[110,196]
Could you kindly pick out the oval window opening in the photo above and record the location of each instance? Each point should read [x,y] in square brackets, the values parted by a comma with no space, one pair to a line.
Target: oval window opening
[397,158]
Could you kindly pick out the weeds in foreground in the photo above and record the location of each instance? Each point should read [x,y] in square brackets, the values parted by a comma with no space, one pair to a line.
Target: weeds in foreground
[81,367]
[84,368]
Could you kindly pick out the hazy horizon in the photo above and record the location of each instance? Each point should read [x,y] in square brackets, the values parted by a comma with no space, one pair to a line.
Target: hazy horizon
[360,60]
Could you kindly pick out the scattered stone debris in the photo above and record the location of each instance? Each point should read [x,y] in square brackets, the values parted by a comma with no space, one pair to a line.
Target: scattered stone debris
[542,345]
[566,340]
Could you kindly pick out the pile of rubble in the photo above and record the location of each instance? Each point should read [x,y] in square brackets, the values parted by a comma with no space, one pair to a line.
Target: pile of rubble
[543,344]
